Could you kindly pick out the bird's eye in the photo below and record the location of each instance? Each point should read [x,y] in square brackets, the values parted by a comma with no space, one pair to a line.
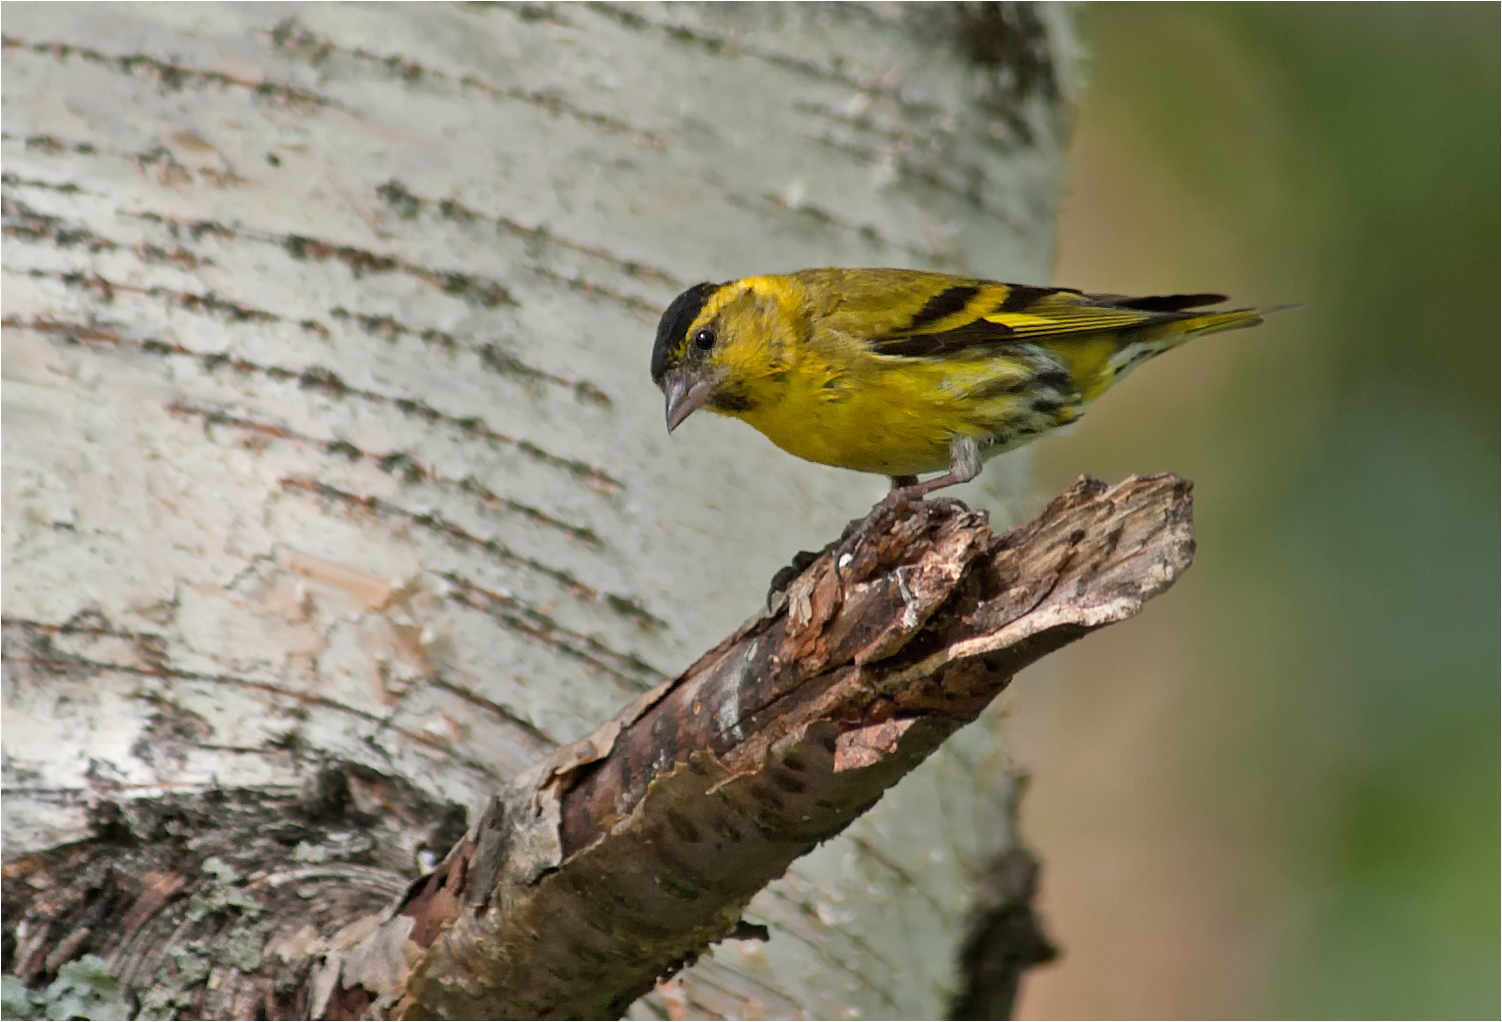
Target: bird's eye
[704,340]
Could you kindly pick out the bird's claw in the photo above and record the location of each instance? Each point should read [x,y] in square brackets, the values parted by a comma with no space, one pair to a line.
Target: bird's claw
[897,503]
[894,505]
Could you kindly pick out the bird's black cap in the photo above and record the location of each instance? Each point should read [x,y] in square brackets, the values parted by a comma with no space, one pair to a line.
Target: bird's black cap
[675,323]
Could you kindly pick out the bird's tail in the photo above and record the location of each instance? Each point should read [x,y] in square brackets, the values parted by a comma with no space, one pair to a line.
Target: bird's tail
[1133,347]
[1212,322]
[1173,332]
[1179,317]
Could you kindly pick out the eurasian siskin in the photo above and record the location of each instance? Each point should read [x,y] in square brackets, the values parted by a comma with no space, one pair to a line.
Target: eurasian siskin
[903,372]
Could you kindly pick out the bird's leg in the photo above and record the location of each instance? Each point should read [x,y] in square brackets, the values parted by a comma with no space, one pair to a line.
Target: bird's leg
[964,465]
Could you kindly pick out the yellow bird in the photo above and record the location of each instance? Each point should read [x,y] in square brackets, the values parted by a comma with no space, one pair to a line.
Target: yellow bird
[903,372]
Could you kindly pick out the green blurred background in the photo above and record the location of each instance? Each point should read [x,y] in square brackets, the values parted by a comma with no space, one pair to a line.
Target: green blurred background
[1276,793]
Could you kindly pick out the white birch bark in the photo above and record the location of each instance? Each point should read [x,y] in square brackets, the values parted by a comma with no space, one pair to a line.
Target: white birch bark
[328,434]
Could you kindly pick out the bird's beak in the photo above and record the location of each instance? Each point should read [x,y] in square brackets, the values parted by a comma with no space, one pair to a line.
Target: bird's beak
[687,392]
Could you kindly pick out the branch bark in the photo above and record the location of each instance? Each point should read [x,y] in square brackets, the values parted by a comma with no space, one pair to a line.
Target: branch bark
[620,858]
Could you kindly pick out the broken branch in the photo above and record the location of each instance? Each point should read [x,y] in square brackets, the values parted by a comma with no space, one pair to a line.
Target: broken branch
[620,858]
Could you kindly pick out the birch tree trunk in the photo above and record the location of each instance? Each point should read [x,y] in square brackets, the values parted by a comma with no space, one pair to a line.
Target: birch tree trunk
[336,491]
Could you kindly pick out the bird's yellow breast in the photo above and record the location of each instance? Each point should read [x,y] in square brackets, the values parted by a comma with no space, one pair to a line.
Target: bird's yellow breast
[872,413]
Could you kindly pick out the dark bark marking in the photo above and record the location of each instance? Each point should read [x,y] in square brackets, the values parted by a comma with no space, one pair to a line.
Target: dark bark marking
[482,291]
[66,188]
[160,161]
[510,716]
[581,285]
[498,360]
[721,45]
[388,328]
[1009,39]
[293,38]
[206,303]
[171,77]
[628,669]
[815,214]
[409,206]
[52,144]
[401,463]
[317,377]
[22,222]
[377,507]
[893,131]
[476,290]
[29,645]
[967,182]
[39,653]
[469,484]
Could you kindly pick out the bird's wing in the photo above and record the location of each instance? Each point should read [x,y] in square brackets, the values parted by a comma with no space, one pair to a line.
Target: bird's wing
[967,314]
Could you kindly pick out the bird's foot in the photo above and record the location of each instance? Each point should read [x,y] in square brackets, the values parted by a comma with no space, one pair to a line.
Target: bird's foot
[897,504]
[845,552]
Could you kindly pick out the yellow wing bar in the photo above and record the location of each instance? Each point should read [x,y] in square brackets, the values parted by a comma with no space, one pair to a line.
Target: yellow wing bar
[1068,319]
